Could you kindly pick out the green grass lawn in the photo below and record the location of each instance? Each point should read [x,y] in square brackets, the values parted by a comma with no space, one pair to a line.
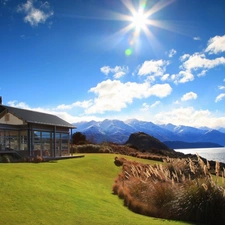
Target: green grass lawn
[73,191]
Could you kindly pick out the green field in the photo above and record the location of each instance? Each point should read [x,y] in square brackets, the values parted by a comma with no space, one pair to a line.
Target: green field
[72,191]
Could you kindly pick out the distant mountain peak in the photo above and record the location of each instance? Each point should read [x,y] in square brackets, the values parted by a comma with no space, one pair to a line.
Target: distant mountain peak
[119,131]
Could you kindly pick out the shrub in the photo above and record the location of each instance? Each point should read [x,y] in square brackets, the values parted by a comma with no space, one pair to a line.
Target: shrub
[105,150]
[72,150]
[132,146]
[88,148]
[37,159]
[91,148]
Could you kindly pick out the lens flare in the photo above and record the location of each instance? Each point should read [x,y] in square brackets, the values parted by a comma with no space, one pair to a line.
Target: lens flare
[128,52]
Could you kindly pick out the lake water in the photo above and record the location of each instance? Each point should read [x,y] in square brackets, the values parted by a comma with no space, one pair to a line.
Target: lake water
[215,154]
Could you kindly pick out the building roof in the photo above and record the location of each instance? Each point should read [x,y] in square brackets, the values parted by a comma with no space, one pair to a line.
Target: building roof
[30,116]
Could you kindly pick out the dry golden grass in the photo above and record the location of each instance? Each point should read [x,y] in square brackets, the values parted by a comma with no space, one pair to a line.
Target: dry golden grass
[183,189]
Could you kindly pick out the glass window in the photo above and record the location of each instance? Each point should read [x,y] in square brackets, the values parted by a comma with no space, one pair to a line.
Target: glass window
[9,140]
[23,140]
[2,140]
[14,140]
[65,144]
[37,145]
[46,143]
[58,144]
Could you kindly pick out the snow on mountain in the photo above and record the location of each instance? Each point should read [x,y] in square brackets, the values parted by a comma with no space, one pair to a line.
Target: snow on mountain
[222,130]
[151,129]
[119,131]
[111,126]
[168,126]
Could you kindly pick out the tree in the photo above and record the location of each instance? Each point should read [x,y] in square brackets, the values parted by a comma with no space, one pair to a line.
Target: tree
[79,138]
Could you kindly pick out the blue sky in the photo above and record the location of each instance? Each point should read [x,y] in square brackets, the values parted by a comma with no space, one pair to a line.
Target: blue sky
[160,61]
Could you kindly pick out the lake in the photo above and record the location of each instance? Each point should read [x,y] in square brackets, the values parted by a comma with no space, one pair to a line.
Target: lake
[215,154]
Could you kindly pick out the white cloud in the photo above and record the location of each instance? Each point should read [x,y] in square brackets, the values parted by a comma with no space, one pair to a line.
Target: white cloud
[216,45]
[178,116]
[199,61]
[197,38]
[112,95]
[152,67]
[150,79]
[155,104]
[189,117]
[176,102]
[63,107]
[221,87]
[160,90]
[172,52]
[184,57]
[118,71]
[119,74]
[145,107]
[105,69]
[189,96]
[17,104]
[35,15]
[220,97]
[24,105]
[84,104]
[62,114]
[202,73]
[165,77]
[182,77]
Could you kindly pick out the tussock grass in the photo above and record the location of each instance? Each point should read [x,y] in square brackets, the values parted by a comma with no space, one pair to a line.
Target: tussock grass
[182,190]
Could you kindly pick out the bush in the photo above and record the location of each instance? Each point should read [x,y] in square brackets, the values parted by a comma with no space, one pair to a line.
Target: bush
[37,159]
[105,150]
[90,148]
[132,146]
[72,150]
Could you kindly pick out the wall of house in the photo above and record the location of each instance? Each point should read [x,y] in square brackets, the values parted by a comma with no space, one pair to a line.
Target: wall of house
[9,118]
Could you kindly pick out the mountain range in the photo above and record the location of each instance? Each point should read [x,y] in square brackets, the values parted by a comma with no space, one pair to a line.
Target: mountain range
[118,131]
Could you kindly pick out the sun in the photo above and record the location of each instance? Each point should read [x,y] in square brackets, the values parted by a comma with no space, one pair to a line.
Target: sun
[139,19]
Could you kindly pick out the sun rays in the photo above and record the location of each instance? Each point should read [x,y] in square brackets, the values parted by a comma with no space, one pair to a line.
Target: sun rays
[140,20]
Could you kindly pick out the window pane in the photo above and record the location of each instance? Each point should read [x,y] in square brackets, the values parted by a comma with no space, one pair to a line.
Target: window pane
[37,148]
[2,145]
[46,143]
[14,140]
[23,140]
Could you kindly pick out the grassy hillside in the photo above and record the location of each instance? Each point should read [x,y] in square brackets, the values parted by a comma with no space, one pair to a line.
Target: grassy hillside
[73,191]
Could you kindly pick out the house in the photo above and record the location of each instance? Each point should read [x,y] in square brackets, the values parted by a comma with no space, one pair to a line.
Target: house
[30,133]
